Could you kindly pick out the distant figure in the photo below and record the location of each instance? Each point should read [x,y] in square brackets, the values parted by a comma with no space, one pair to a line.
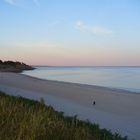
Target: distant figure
[94,103]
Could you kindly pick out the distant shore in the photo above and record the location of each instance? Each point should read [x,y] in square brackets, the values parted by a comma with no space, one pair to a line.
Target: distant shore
[114,109]
[11,66]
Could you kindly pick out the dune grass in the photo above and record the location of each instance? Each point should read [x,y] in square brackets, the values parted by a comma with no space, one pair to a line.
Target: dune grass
[24,119]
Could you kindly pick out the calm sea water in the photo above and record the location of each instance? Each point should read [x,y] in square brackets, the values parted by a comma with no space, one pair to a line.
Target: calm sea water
[114,77]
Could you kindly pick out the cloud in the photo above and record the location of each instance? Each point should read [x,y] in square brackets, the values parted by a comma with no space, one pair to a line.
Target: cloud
[36,2]
[12,2]
[16,2]
[80,25]
[54,23]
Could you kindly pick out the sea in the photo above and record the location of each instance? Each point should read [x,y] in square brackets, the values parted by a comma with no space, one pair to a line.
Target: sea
[123,77]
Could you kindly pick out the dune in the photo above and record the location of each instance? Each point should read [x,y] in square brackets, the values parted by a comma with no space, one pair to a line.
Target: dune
[114,109]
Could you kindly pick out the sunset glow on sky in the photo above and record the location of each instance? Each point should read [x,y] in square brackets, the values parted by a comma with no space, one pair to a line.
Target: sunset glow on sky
[70,32]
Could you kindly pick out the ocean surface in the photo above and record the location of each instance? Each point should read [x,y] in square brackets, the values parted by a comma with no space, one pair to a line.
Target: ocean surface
[127,78]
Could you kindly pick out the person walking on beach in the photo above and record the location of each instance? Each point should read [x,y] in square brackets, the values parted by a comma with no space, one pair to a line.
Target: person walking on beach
[94,103]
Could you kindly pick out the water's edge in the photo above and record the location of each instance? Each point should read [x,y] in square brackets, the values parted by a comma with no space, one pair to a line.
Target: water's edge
[49,73]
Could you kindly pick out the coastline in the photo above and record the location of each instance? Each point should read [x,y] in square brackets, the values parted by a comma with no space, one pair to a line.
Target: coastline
[16,67]
[115,77]
[114,109]
[125,91]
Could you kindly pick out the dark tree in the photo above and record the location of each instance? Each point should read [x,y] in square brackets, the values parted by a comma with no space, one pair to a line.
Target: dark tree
[1,62]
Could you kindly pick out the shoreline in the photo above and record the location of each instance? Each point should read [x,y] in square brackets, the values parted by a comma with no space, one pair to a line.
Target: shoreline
[114,109]
[125,91]
[119,87]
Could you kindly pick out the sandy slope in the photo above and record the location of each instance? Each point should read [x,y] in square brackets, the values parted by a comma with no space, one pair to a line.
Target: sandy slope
[117,110]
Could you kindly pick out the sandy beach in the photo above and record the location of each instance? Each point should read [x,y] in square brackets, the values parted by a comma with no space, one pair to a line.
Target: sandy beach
[117,110]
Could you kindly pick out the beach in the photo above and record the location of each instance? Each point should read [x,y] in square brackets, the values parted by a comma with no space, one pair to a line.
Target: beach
[117,110]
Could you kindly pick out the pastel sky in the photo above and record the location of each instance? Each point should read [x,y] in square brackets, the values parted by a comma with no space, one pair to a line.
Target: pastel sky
[70,32]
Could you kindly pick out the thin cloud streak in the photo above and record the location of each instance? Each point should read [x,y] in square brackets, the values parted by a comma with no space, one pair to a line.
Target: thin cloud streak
[15,2]
[11,2]
[36,2]
[80,25]
[54,23]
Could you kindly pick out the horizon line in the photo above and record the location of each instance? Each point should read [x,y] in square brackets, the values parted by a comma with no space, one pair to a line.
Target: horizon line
[86,65]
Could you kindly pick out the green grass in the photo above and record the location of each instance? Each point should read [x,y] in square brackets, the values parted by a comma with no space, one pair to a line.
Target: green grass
[24,119]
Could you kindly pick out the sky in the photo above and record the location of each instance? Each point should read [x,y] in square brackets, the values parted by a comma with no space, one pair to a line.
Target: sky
[70,32]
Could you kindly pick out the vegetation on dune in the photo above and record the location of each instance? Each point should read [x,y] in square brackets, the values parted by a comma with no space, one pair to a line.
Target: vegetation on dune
[24,119]
[10,66]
